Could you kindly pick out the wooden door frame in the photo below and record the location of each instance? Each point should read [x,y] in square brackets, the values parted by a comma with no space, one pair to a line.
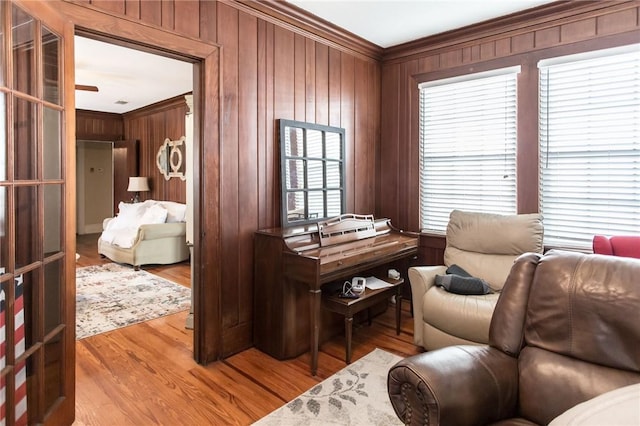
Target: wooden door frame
[120,30]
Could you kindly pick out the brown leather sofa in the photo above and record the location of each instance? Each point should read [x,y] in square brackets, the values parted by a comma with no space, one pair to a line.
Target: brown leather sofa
[565,329]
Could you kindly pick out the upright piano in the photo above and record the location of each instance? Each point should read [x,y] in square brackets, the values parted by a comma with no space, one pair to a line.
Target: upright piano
[293,264]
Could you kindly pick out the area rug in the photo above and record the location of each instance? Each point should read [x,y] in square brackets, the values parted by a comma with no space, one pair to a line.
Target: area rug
[112,296]
[355,395]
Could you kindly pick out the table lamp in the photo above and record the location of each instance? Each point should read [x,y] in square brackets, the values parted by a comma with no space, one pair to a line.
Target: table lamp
[137,185]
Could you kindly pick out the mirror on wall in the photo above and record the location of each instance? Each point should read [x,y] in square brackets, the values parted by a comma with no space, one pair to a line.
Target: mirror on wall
[170,158]
[312,170]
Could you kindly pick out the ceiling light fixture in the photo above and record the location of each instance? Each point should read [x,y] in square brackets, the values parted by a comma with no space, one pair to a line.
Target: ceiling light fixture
[122,102]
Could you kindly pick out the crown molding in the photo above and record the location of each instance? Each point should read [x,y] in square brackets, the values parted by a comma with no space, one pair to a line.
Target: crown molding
[536,18]
[300,21]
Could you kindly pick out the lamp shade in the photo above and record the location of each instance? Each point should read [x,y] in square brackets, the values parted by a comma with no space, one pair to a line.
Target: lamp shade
[138,184]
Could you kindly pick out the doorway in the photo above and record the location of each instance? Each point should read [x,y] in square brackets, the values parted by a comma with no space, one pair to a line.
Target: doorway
[128,98]
[94,169]
[205,56]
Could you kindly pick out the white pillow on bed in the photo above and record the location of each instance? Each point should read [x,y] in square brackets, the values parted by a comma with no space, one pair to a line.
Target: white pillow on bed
[153,214]
[175,211]
[128,215]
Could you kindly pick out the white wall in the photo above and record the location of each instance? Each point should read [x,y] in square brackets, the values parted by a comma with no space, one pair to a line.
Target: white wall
[94,174]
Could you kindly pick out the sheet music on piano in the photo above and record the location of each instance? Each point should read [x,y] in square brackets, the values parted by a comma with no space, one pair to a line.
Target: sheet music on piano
[374,283]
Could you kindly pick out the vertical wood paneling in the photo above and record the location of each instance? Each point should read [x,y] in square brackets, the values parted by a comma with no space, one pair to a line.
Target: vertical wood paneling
[407,204]
[613,23]
[132,8]
[522,42]
[451,59]
[228,30]
[347,119]
[373,139]
[150,126]
[117,6]
[390,125]
[322,84]
[412,156]
[389,151]
[503,47]
[207,22]
[579,30]
[547,37]
[174,120]
[155,129]
[467,54]
[248,189]
[184,14]
[273,174]
[284,75]
[334,87]
[299,56]
[99,126]
[527,151]
[167,14]
[151,12]
[310,78]
[283,97]
[430,63]
[264,178]
[362,151]
[487,51]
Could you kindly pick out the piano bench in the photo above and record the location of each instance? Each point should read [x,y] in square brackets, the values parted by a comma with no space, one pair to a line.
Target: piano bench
[369,298]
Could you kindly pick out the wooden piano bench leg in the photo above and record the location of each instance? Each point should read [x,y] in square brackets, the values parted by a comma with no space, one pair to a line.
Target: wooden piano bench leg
[398,311]
[348,331]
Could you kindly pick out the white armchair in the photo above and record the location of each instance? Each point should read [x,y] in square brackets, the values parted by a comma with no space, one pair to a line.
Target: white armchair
[485,245]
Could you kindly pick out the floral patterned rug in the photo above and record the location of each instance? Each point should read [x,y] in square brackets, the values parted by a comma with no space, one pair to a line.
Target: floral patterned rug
[355,395]
[111,296]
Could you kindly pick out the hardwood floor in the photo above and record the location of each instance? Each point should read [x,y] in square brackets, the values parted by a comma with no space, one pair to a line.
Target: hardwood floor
[144,374]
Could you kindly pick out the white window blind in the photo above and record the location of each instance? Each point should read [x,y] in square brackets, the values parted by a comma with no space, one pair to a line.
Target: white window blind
[590,148]
[467,146]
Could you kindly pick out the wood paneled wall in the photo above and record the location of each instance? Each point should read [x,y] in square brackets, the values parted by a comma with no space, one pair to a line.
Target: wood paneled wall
[150,126]
[270,72]
[557,29]
[271,68]
[276,63]
[98,126]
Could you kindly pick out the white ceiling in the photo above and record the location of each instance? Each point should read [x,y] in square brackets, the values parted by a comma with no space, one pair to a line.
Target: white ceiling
[141,79]
[391,22]
[129,75]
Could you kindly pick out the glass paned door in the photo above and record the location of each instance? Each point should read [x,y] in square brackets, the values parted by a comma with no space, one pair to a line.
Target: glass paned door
[37,271]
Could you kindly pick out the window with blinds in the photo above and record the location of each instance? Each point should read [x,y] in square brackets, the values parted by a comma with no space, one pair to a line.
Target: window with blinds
[467,146]
[590,146]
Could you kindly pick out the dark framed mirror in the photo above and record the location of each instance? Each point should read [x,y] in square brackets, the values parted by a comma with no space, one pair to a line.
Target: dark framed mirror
[312,170]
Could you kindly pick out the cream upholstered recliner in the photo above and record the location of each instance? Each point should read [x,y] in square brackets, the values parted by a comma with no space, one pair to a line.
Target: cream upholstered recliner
[485,245]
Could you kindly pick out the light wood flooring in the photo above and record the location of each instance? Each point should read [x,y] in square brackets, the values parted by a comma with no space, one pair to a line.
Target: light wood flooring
[144,374]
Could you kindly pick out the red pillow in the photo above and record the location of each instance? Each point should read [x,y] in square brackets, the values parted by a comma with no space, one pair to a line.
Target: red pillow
[619,245]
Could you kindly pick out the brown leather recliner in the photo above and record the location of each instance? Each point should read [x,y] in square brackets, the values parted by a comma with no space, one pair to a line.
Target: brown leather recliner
[565,330]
